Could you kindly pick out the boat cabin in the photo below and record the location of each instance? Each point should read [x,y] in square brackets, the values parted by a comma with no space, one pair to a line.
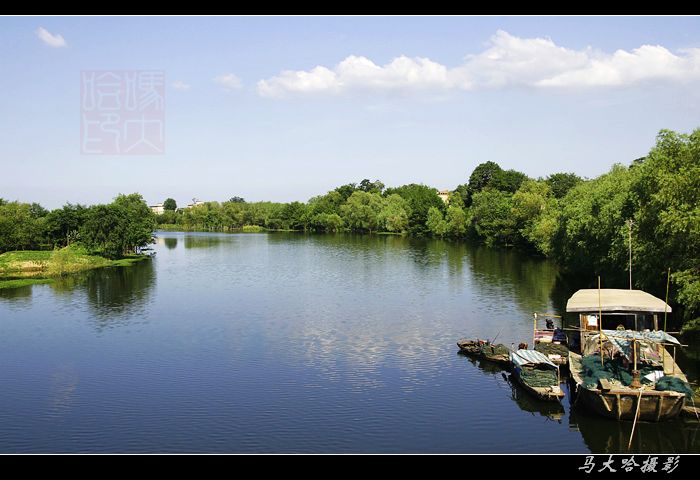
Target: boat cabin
[620,309]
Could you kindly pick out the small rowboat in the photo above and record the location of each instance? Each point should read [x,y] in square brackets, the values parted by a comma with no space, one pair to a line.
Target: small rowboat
[497,353]
[537,374]
[470,347]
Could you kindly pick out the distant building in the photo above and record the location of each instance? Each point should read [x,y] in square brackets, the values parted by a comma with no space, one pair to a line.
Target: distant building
[195,203]
[444,195]
[158,208]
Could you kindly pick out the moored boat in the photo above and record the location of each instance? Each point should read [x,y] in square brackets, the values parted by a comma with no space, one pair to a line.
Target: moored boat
[615,400]
[624,370]
[537,374]
[497,353]
[551,340]
[470,347]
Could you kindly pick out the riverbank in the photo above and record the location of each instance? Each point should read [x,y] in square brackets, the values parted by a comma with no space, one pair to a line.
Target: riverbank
[28,267]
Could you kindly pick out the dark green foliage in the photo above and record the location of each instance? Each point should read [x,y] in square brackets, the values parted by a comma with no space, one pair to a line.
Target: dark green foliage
[170,204]
[482,176]
[124,226]
[561,183]
[419,199]
[508,181]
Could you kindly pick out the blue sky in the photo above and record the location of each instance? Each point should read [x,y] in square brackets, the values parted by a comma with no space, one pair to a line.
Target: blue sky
[402,99]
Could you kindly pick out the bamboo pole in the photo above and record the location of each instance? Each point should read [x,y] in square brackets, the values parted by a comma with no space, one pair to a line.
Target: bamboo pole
[600,323]
[636,415]
[534,329]
[668,283]
[629,225]
[674,360]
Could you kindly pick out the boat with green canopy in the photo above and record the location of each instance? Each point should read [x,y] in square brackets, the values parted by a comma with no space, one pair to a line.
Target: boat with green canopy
[537,374]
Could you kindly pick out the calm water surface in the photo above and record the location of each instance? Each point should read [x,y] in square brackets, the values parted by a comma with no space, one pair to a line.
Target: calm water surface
[291,343]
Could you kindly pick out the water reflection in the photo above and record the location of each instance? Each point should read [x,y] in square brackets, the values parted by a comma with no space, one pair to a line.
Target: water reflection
[117,295]
[198,240]
[529,281]
[606,436]
[17,295]
[250,342]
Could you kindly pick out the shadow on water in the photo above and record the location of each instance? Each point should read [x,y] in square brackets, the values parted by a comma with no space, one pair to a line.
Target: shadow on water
[603,435]
[20,294]
[170,243]
[526,402]
[116,295]
[529,280]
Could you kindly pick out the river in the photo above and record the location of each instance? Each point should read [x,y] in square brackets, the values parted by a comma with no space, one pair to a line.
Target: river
[286,342]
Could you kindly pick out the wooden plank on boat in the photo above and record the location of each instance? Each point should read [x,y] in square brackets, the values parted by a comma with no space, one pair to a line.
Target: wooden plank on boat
[605,384]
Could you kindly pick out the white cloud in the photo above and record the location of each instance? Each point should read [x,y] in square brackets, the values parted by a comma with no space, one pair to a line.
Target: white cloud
[180,85]
[229,81]
[507,61]
[50,39]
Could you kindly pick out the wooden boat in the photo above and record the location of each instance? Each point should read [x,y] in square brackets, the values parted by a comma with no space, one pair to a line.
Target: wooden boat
[619,323]
[497,353]
[470,347]
[537,374]
[621,402]
[484,349]
[551,340]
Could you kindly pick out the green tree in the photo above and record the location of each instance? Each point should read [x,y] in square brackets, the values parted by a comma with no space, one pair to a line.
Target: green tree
[361,211]
[592,233]
[532,204]
[508,181]
[492,217]
[394,215]
[482,176]
[170,204]
[419,199]
[326,222]
[436,222]
[456,220]
[371,187]
[62,224]
[666,186]
[561,183]
[19,229]
[293,215]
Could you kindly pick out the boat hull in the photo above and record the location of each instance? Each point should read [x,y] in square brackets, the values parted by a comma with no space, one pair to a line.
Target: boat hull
[655,406]
[621,403]
[550,394]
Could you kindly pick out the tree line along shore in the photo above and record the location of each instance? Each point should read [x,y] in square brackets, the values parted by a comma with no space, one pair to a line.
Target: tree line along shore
[584,225]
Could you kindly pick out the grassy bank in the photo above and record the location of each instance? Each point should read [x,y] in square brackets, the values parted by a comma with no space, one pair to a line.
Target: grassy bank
[28,267]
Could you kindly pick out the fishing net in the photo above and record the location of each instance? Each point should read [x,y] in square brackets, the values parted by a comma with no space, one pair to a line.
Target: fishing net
[536,377]
[552,349]
[498,349]
[675,384]
[612,369]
